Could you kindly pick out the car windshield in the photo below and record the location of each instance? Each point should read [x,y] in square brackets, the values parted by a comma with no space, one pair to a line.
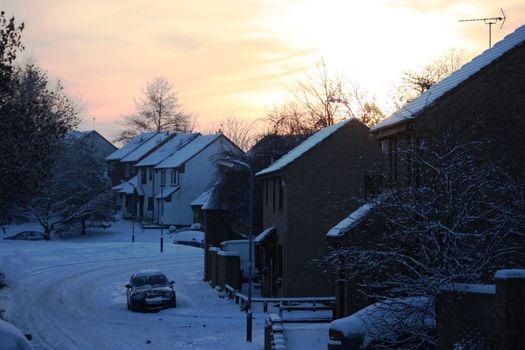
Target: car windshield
[139,281]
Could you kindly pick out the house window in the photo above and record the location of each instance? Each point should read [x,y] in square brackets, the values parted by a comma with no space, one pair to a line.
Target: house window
[126,170]
[150,203]
[273,193]
[143,175]
[281,194]
[163,177]
[174,177]
[266,190]
[392,159]
[150,174]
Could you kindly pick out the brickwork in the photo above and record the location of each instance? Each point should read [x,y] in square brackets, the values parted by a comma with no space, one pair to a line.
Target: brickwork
[320,189]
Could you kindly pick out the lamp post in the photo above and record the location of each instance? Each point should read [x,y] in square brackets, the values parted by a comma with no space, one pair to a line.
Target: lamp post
[134,212]
[236,164]
[161,217]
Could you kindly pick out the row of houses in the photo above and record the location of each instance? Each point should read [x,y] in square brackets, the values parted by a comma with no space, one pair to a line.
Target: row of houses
[157,175]
[318,194]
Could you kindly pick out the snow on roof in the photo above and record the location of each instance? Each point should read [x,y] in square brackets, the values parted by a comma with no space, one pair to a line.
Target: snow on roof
[303,147]
[75,134]
[145,147]
[510,274]
[263,235]
[421,102]
[167,149]
[187,152]
[167,192]
[202,198]
[471,288]
[126,187]
[131,145]
[352,220]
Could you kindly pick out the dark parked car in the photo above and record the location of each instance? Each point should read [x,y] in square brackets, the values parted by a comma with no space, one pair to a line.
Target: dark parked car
[150,290]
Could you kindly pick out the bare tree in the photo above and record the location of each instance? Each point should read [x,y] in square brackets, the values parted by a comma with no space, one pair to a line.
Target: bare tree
[416,81]
[239,131]
[320,100]
[459,223]
[158,110]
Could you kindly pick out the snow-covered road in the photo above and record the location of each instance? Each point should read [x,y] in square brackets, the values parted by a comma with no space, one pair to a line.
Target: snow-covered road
[70,295]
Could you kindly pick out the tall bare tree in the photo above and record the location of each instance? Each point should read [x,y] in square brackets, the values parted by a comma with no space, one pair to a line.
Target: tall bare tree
[416,81]
[242,132]
[158,110]
[321,99]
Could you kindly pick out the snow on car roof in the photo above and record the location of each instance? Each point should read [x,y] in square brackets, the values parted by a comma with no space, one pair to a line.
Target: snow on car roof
[303,147]
[187,152]
[12,338]
[167,149]
[145,147]
[131,145]
[424,100]
[147,273]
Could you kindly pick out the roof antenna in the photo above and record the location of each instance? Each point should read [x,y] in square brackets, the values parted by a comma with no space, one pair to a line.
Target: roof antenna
[490,21]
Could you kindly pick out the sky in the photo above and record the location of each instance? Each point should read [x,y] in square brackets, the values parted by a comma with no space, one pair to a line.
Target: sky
[240,57]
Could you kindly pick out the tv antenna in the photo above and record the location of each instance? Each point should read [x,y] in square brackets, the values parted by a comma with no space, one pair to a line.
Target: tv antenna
[490,21]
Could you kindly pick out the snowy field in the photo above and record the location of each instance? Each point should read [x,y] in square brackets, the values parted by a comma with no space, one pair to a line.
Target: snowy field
[69,294]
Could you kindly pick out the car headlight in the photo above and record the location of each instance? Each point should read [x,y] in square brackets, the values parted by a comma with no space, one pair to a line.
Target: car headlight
[137,295]
[169,294]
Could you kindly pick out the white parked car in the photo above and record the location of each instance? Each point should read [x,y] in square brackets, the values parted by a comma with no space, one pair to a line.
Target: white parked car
[385,320]
[11,338]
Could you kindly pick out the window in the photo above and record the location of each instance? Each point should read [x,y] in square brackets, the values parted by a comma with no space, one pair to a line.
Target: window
[392,158]
[281,194]
[143,172]
[163,177]
[150,174]
[266,190]
[174,177]
[126,170]
[273,193]
[150,203]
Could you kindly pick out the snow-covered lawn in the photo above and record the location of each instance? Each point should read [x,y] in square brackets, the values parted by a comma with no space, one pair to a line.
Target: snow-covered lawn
[69,294]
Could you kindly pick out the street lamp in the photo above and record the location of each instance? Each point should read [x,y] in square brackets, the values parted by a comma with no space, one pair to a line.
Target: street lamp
[134,212]
[235,164]
[161,217]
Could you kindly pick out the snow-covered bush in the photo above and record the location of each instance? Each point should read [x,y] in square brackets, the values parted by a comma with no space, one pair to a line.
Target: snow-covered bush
[458,221]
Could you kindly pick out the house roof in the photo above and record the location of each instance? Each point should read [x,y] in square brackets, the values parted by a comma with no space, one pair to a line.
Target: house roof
[131,145]
[128,186]
[146,147]
[167,149]
[354,219]
[202,198]
[303,148]
[188,151]
[412,108]
[263,235]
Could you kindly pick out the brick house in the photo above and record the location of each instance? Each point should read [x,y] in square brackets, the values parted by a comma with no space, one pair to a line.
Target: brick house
[483,101]
[305,193]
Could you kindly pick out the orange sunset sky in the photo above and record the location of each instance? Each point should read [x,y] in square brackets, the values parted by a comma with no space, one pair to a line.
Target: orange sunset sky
[237,57]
